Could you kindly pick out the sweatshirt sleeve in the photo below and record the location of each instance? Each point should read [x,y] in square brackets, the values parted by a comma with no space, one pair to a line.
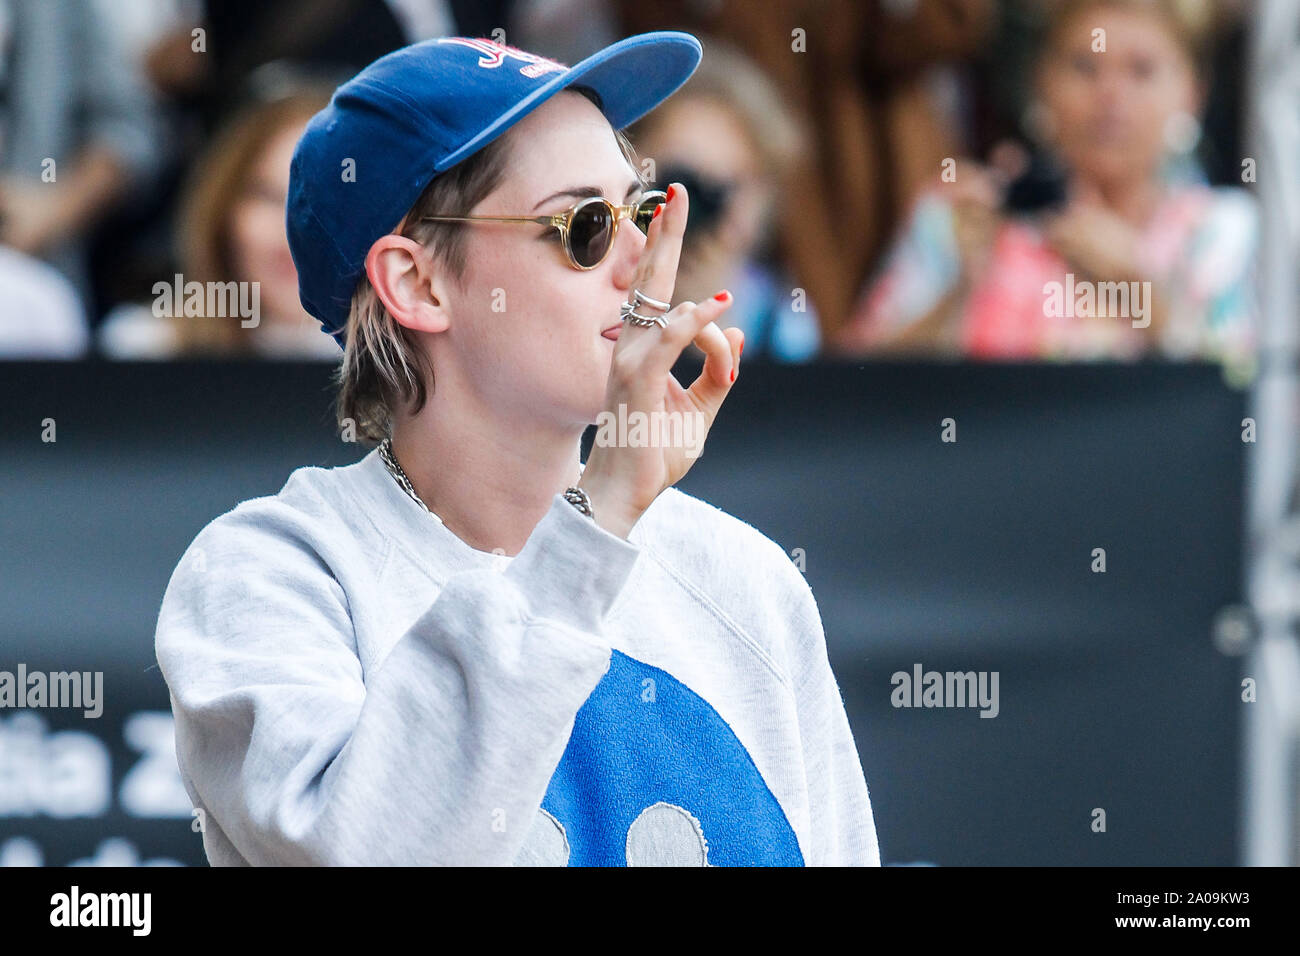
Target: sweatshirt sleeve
[442,755]
[843,826]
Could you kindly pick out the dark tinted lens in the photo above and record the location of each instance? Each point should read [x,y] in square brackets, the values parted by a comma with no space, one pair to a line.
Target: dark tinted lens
[590,233]
[646,211]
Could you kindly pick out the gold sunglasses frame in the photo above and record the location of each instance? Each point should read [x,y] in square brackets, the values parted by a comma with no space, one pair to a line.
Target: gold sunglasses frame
[563,220]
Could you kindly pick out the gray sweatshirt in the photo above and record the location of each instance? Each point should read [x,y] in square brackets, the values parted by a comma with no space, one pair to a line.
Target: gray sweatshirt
[354,684]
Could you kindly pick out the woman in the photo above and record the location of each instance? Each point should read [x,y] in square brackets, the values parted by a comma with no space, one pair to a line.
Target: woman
[1118,93]
[231,228]
[871,81]
[728,134]
[469,647]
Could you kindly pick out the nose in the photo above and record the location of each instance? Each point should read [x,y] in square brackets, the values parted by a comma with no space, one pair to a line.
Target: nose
[629,246]
[1109,87]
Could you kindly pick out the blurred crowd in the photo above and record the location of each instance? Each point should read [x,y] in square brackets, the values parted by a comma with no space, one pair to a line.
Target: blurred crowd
[1017,180]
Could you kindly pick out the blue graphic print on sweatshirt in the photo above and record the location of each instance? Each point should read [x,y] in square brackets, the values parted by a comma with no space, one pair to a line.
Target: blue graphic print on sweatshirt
[652,775]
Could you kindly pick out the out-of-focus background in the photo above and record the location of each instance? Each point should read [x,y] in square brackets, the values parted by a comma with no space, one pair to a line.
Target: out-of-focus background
[1019,283]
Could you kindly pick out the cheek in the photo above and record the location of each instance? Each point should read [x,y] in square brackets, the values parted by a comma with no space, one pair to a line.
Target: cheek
[746,215]
[534,328]
[1148,107]
[258,234]
[1162,99]
[506,304]
[530,301]
[1071,98]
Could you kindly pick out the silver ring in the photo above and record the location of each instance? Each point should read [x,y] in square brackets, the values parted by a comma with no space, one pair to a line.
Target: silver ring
[643,299]
[629,313]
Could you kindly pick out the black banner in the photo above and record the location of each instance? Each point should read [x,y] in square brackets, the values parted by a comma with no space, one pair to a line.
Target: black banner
[1064,535]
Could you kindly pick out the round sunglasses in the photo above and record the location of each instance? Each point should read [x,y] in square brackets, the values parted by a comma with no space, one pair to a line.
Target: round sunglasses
[587,227]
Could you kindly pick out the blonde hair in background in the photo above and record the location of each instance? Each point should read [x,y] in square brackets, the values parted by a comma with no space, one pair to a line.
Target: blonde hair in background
[1192,23]
[384,368]
[729,76]
[215,185]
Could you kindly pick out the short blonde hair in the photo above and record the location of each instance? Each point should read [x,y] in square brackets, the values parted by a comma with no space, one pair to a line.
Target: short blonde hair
[383,367]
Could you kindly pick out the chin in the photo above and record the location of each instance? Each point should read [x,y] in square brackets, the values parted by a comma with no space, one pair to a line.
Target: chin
[1111,164]
[593,408]
[577,409]
[593,412]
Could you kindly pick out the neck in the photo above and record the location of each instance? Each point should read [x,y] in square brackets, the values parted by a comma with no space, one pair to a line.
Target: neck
[1133,200]
[489,479]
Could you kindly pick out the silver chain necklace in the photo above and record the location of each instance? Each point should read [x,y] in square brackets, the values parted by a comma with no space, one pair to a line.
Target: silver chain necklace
[574,496]
[394,469]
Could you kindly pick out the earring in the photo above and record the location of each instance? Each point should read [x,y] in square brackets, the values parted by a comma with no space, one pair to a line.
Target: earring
[1182,132]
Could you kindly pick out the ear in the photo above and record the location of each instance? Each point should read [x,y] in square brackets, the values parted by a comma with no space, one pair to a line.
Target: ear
[403,276]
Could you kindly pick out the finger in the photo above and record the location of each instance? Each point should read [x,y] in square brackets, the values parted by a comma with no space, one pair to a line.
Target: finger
[981,190]
[721,360]
[686,323]
[657,274]
[735,340]
[721,349]
[719,356]
[736,337]
[1010,159]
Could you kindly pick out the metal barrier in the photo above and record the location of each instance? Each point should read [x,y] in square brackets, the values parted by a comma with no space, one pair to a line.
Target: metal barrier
[1271,805]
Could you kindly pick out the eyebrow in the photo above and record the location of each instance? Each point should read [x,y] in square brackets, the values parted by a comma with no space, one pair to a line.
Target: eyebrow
[582,192]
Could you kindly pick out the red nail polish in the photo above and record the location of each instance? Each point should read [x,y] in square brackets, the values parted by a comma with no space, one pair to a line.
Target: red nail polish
[658,210]
[733,374]
[670,194]
[723,296]
[742,347]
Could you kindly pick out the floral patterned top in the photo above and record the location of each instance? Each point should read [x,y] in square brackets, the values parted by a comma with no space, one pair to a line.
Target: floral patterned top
[1198,249]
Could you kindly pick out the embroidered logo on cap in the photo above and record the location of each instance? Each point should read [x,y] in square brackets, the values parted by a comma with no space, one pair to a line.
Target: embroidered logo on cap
[494,54]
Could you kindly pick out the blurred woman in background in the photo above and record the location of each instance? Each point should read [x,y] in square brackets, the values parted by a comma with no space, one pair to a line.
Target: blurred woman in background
[730,139]
[990,272]
[231,228]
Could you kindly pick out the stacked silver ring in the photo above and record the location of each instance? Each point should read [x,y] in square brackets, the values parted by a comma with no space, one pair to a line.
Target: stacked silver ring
[629,313]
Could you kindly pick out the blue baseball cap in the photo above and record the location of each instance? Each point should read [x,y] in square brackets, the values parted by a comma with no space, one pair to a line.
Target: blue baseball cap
[363,160]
